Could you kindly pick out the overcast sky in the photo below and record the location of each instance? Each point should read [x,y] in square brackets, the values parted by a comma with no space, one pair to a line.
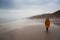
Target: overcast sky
[27,8]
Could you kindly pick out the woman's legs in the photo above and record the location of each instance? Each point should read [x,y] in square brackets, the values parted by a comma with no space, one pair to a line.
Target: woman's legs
[47,29]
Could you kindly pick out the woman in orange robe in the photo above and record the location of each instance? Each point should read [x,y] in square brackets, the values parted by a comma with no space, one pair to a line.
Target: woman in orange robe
[47,23]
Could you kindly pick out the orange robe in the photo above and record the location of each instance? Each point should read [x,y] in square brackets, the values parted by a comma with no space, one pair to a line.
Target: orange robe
[47,23]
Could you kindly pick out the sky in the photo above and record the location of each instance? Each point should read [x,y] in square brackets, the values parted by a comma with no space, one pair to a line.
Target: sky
[27,8]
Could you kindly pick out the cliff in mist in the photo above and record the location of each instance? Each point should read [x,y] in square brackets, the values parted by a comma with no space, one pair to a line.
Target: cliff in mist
[52,15]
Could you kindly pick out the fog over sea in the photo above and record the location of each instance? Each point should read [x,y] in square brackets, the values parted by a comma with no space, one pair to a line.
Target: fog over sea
[6,17]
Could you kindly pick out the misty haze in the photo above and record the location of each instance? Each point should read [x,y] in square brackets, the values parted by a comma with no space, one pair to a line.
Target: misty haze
[26,19]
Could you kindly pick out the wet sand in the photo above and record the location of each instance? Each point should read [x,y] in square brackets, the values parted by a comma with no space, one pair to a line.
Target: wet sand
[28,30]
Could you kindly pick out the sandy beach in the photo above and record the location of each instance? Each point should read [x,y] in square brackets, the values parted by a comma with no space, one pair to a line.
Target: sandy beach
[28,30]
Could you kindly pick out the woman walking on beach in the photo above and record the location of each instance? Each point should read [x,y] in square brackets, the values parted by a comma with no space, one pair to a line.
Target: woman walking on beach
[47,24]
